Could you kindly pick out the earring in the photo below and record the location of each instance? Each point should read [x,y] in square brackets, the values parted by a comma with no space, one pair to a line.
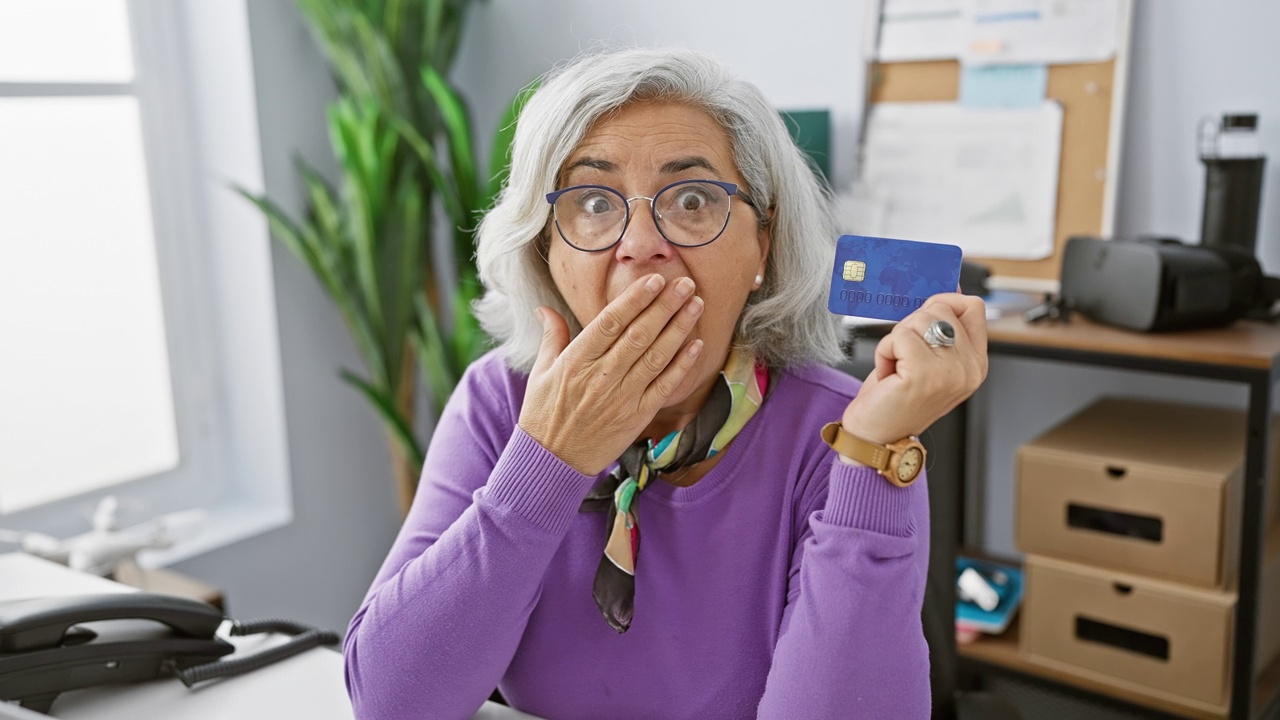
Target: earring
[759,280]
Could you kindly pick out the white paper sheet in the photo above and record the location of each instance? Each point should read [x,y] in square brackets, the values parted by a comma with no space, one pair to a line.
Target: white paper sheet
[920,30]
[985,179]
[1055,32]
[999,32]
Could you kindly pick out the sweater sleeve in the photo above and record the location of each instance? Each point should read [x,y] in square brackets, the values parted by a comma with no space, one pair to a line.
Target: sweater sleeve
[851,643]
[446,612]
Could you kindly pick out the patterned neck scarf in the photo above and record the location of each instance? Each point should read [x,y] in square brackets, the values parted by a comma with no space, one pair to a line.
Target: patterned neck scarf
[733,400]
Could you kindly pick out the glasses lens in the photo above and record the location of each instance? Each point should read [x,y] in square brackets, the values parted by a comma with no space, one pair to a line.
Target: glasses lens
[591,218]
[692,213]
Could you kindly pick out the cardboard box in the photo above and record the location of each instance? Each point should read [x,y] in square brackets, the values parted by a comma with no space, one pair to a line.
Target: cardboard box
[1154,488]
[1143,635]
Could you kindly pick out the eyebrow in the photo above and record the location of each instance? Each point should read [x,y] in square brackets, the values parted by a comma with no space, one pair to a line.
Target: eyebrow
[594,163]
[669,168]
[687,163]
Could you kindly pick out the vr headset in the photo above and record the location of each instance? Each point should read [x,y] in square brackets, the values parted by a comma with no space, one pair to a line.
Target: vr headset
[1159,284]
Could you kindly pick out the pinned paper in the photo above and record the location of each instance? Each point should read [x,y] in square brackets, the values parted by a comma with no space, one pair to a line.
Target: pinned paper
[985,179]
[1054,32]
[1003,86]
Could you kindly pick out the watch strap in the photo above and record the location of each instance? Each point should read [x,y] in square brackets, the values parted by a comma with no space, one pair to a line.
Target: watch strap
[853,447]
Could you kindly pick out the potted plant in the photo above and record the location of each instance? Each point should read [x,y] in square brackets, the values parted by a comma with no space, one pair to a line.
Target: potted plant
[368,237]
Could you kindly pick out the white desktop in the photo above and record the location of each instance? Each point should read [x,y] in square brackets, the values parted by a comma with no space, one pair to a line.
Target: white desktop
[307,685]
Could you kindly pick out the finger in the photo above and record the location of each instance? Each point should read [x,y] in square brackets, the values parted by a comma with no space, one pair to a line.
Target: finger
[963,354]
[970,310]
[663,349]
[555,338]
[906,340]
[886,357]
[669,380]
[602,332]
[922,319]
[960,354]
[638,340]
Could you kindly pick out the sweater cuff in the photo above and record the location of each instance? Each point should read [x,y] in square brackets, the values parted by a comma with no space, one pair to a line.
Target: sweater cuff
[859,497]
[531,482]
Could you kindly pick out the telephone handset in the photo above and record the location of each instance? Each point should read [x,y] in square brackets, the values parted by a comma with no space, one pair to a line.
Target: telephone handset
[53,645]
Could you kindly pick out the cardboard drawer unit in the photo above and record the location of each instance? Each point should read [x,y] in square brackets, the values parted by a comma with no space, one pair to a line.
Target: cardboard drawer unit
[1148,636]
[1153,488]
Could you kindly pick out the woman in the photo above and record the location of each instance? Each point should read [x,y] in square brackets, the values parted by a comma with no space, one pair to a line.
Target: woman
[627,510]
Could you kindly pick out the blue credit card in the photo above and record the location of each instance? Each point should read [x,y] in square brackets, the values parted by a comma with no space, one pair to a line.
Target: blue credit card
[888,279]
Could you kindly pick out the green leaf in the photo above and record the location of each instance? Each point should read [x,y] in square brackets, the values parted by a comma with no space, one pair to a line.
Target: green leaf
[403,239]
[448,192]
[433,24]
[503,138]
[355,130]
[393,20]
[383,68]
[288,233]
[457,124]
[468,339]
[433,357]
[400,428]
[309,245]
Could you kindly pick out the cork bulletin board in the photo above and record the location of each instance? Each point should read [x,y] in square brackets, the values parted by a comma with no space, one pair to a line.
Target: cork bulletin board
[1092,100]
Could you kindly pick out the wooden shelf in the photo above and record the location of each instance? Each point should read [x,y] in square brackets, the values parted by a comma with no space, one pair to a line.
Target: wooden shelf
[1244,344]
[1002,651]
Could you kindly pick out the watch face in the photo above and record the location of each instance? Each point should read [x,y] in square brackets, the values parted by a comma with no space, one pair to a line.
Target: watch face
[909,464]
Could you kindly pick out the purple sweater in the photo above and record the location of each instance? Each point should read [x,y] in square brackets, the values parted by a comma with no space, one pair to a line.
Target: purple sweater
[784,584]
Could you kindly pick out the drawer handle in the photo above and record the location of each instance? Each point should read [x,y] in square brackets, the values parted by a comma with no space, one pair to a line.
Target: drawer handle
[1116,471]
[1148,528]
[1122,588]
[1122,638]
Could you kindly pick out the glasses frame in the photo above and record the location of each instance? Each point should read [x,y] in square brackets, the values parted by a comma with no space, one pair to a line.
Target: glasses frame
[729,188]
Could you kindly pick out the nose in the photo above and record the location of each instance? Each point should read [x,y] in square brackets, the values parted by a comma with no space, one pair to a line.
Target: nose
[641,241]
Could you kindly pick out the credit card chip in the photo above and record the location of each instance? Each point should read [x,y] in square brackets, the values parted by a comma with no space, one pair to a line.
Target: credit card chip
[855,270]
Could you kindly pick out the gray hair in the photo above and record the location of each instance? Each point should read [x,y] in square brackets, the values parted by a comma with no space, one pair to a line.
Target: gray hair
[785,323]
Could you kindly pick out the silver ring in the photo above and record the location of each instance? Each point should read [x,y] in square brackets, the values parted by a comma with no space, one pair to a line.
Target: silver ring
[940,334]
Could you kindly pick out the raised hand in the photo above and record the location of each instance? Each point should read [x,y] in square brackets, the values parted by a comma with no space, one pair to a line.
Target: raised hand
[588,399]
[913,384]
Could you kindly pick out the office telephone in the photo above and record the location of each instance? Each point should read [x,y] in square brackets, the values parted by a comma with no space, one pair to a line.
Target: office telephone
[53,645]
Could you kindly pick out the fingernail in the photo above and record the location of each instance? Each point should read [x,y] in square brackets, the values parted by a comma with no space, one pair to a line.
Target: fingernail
[695,306]
[684,287]
[695,348]
[654,283]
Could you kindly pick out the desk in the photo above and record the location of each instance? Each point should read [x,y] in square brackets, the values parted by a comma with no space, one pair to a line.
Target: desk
[1246,353]
[309,685]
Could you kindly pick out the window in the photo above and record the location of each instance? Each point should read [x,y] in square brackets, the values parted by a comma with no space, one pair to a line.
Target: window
[118,235]
[87,399]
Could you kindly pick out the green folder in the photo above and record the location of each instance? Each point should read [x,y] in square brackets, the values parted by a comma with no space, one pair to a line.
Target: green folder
[811,131]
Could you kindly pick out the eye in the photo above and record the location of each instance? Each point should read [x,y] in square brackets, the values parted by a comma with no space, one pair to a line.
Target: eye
[691,199]
[595,202]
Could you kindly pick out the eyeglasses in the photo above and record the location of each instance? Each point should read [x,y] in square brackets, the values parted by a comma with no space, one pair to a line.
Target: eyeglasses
[688,213]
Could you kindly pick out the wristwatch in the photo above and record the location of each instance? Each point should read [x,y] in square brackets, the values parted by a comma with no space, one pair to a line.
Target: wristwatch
[899,462]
